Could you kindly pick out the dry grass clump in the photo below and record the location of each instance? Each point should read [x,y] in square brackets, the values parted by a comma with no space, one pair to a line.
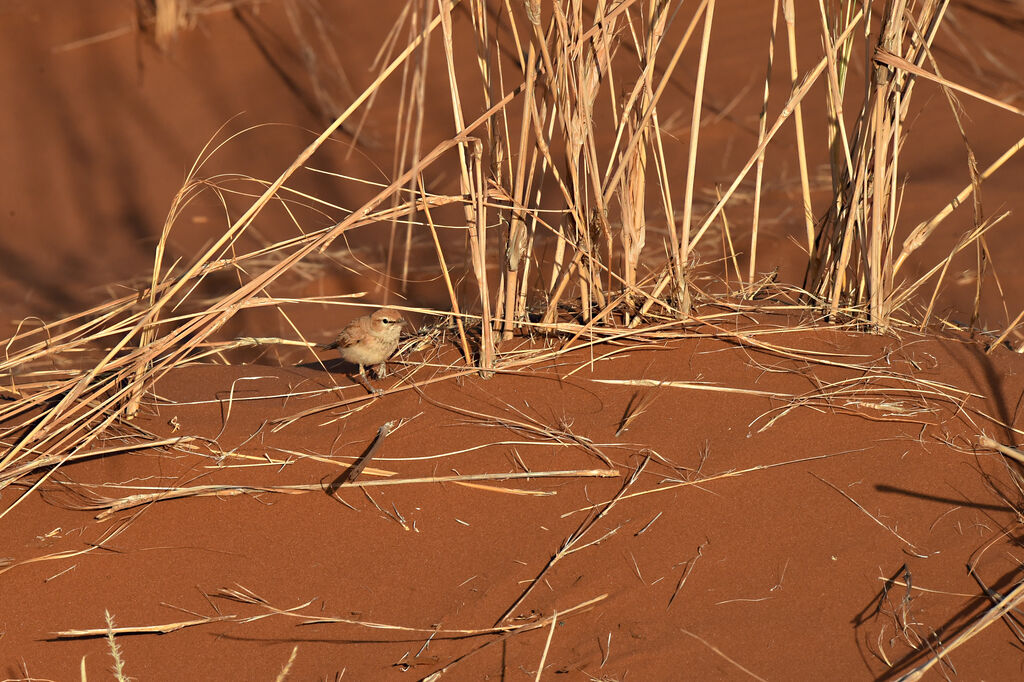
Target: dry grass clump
[855,257]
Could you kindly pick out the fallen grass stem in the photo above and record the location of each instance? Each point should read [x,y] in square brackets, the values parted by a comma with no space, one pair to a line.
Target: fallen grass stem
[914,550]
[164,629]
[716,477]
[114,505]
[1012,453]
[722,654]
[248,598]
[690,565]
[352,473]
[997,612]
[568,545]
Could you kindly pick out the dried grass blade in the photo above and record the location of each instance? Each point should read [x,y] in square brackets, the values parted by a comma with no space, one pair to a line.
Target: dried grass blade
[112,506]
[141,629]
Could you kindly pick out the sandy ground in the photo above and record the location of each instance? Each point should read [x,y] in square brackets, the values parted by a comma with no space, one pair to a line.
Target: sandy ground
[805,510]
[824,543]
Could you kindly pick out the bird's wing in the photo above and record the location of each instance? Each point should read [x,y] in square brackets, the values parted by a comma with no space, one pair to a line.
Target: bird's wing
[351,335]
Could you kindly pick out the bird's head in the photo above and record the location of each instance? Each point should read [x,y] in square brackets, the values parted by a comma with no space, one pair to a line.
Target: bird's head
[388,318]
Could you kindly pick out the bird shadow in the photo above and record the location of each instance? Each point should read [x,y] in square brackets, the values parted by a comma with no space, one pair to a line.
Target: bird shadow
[334,366]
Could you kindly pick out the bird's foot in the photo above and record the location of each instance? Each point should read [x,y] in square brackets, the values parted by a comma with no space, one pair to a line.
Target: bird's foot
[372,390]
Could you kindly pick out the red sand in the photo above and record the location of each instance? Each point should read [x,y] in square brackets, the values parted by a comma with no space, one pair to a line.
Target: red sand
[832,544]
[784,574]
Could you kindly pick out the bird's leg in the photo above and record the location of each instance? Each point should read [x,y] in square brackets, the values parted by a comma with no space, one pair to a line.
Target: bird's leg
[366,382]
[381,370]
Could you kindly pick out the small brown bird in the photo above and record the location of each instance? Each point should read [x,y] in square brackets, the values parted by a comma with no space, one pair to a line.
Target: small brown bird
[370,340]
